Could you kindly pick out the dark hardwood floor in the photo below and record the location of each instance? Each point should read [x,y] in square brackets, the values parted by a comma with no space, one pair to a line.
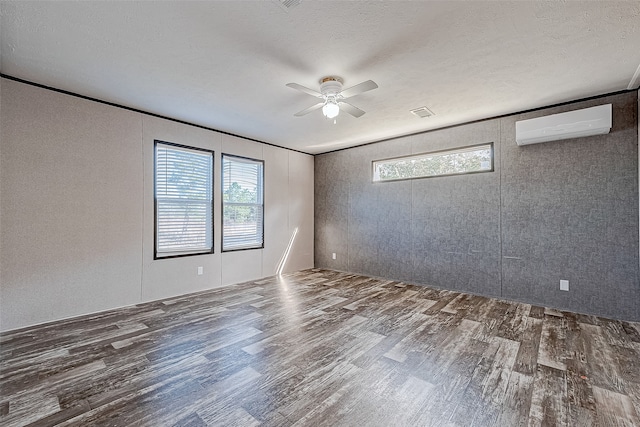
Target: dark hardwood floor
[319,348]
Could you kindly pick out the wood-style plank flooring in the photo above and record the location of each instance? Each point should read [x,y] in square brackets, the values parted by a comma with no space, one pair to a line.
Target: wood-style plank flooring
[323,348]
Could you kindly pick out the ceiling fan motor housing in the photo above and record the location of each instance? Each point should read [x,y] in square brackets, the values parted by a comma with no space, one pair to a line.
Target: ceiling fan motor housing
[330,86]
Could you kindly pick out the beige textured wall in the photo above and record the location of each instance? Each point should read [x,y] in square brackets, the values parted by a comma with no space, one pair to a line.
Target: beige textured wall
[71,186]
[76,208]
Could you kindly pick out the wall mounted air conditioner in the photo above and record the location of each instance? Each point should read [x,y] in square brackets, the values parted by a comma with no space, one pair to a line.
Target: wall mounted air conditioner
[572,124]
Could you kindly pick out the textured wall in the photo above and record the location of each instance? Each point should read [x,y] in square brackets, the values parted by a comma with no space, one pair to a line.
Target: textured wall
[558,210]
[570,211]
[76,208]
[67,248]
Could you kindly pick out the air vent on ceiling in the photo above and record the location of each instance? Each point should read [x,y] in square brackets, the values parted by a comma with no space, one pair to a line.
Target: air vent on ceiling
[288,4]
[422,112]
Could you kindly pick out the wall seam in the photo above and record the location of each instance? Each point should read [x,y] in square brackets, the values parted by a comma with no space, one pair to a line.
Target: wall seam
[412,225]
[143,203]
[413,235]
[288,200]
[221,220]
[1,195]
[349,189]
[264,178]
[499,145]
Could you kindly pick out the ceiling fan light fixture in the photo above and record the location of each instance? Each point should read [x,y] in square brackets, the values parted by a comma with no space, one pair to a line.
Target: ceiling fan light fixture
[333,98]
[330,109]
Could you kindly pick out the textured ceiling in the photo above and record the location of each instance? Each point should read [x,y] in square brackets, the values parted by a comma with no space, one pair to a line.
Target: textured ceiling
[224,65]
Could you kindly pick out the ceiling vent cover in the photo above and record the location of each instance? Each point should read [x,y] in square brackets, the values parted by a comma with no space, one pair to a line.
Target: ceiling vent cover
[422,112]
[288,4]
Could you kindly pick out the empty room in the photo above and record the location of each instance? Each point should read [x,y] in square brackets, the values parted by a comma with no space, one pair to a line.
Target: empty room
[319,213]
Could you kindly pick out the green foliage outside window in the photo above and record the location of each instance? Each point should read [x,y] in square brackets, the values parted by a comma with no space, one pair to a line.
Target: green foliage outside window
[240,213]
[453,162]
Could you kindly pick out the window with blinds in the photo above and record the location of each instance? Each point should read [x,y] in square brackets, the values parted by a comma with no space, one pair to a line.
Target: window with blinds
[242,203]
[183,200]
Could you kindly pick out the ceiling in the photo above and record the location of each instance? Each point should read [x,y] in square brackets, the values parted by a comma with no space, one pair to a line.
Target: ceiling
[224,64]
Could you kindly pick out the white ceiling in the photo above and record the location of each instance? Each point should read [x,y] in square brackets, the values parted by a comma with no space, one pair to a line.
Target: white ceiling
[224,65]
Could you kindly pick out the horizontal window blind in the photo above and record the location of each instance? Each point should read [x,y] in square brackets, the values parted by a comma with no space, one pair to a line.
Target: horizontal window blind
[183,200]
[242,203]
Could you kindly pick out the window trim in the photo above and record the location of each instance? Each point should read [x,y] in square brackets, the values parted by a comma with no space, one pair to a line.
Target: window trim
[466,147]
[222,156]
[155,200]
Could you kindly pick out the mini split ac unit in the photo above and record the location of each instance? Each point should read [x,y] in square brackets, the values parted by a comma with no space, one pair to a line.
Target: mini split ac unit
[573,124]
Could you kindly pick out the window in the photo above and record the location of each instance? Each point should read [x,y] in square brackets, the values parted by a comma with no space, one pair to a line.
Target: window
[478,158]
[242,203]
[183,200]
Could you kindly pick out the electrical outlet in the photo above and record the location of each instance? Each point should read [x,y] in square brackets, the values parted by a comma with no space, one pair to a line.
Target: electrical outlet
[333,255]
[564,285]
[200,271]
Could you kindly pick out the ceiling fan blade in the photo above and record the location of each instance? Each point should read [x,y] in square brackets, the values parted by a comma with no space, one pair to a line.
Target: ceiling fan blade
[358,89]
[310,109]
[354,111]
[304,89]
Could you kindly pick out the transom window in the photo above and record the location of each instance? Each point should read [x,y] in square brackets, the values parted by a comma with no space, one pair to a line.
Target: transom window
[477,158]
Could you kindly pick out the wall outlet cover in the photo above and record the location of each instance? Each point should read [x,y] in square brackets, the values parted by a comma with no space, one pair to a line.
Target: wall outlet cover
[564,285]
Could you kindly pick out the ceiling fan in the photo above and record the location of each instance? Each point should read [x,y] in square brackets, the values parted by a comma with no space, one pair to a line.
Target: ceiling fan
[333,97]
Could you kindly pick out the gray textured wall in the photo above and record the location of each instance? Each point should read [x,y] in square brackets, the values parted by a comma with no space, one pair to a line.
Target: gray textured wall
[558,210]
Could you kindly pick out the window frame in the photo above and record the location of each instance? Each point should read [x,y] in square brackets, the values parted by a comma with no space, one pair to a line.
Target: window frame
[222,202]
[176,254]
[490,145]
